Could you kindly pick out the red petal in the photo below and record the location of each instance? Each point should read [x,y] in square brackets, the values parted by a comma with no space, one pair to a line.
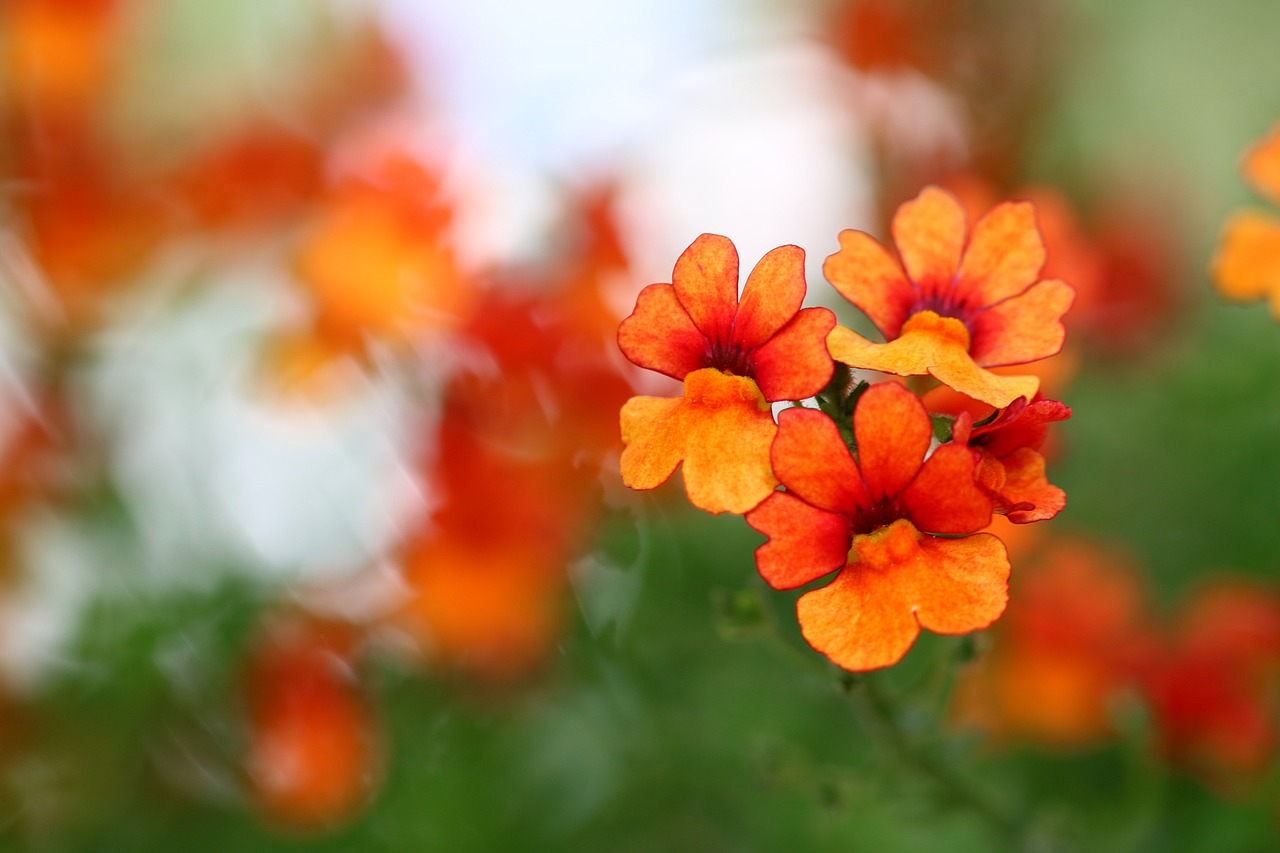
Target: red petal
[893,433]
[864,273]
[945,497]
[929,232]
[773,294]
[810,458]
[660,335]
[804,544]
[706,280]
[794,363]
[1004,256]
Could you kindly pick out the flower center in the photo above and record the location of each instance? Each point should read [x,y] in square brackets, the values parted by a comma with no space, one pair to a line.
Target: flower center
[727,358]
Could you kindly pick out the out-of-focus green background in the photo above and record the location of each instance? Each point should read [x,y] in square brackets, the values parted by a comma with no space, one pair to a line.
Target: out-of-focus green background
[669,716]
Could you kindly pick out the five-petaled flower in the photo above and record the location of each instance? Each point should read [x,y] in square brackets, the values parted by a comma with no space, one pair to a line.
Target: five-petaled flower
[1247,264]
[736,356]
[870,519]
[951,308]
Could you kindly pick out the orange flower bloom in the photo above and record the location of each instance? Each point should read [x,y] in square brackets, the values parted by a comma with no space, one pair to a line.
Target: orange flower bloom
[952,308]
[1247,265]
[1012,469]
[869,518]
[1073,638]
[312,755]
[736,356]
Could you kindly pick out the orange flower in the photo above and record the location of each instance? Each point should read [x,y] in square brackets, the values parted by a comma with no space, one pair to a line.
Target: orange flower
[1012,469]
[1247,264]
[312,756]
[1214,691]
[736,356]
[1071,642]
[951,308]
[869,519]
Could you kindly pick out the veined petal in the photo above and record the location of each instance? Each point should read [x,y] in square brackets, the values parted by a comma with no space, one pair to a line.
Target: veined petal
[660,335]
[963,584]
[728,429]
[1025,481]
[1247,265]
[810,458]
[1261,166]
[1004,256]
[804,544]
[933,345]
[654,435]
[706,281]
[864,273]
[772,295]
[945,497]
[1023,328]
[794,363]
[893,432]
[929,232]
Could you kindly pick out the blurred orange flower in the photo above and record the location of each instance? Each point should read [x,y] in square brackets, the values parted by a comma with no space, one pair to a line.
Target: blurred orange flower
[1247,264]
[736,356]
[956,302]
[869,518]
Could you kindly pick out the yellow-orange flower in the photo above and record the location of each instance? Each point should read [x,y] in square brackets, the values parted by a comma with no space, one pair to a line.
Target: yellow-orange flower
[1247,265]
[956,302]
[736,356]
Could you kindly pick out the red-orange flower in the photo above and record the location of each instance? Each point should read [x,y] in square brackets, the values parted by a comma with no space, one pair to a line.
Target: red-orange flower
[956,302]
[736,356]
[1012,468]
[1247,265]
[870,518]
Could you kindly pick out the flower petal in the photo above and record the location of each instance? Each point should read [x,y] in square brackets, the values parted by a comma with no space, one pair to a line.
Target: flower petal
[654,435]
[772,295]
[1023,328]
[929,232]
[963,584]
[945,497]
[794,363]
[893,432]
[660,335]
[864,273]
[1261,166]
[729,429]
[1004,256]
[1247,265]
[1025,482]
[934,345]
[810,458]
[804,544]
[706,280]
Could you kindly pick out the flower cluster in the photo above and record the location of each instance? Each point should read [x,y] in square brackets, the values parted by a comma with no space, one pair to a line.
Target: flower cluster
[879,486]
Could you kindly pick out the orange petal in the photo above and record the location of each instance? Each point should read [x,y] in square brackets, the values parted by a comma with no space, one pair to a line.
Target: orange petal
[893,432]
[1023,328]
[794,363]
[721,428]
[771,297]
[706,280]
[1247,265]
[1262,166]
[1025,481]
[935,345]
[653,433]
[729,428]
[864,273]
[812,461]
[804,544]
[929,232]
[897,581]
[945,497]
[660,335]
[1004,256]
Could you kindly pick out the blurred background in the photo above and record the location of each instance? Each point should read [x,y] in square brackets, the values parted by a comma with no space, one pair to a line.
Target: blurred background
[311,531]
